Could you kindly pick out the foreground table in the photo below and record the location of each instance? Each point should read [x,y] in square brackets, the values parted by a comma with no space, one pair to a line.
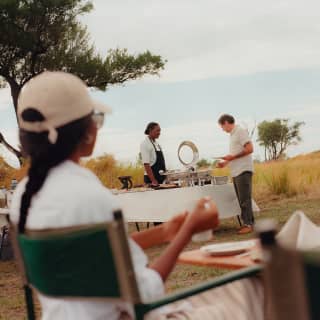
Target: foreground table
[198,258]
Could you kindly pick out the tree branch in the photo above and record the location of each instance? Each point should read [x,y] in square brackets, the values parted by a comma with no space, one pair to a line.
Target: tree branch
[13,150]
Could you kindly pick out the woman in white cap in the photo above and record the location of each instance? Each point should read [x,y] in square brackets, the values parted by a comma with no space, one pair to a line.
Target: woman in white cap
[58,125]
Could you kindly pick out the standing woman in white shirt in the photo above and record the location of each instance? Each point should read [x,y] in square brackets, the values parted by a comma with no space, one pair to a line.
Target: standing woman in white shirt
[152,155]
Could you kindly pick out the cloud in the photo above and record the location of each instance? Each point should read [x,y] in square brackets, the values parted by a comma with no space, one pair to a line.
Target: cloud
[207,38]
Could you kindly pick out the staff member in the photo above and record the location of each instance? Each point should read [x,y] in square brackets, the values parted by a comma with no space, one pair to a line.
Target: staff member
[152,155]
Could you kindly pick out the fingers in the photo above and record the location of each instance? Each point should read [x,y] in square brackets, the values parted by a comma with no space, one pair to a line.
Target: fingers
[204,203]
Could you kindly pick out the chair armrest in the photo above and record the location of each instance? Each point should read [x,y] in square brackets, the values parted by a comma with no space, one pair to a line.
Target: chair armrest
[143,308]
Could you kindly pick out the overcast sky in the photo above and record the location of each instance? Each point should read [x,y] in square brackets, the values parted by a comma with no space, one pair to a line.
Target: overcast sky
[257,60]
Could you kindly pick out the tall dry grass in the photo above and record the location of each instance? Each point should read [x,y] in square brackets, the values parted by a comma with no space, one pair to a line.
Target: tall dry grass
[108,170]
[8,173]
[287,178]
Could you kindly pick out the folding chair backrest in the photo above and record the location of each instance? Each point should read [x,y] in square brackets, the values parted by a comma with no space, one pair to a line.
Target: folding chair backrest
[292,283]
[90,262]
[312,280]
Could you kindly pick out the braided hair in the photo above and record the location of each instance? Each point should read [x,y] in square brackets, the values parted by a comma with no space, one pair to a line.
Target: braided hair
[44,155]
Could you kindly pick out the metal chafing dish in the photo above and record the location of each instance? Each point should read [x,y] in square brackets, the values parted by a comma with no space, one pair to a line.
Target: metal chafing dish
[189,176]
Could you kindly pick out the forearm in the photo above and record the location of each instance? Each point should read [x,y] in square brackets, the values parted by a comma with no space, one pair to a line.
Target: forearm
[160,234]
[165,263]
[241,154]
[149,172]
[150,237]
[247,149]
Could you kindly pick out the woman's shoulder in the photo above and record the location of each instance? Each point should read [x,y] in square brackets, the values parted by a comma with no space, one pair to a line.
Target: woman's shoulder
[77,180]
[146,143]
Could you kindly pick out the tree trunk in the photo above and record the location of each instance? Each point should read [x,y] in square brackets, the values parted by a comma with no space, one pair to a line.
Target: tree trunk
[15,90]
[16,152]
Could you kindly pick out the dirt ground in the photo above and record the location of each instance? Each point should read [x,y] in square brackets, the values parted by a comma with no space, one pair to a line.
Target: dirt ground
[11,296]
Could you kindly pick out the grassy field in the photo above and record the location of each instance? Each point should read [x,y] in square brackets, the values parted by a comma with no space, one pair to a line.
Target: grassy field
[272,180]
[11,297]
[279,188]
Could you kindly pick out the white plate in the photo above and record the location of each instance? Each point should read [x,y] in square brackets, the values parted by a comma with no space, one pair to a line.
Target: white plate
[227,248]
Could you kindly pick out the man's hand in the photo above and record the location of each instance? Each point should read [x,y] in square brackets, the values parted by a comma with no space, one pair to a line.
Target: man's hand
[228,157]
[154,183]
[222,164]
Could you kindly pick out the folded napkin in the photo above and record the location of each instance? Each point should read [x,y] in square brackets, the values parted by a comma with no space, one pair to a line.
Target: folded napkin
[299,233]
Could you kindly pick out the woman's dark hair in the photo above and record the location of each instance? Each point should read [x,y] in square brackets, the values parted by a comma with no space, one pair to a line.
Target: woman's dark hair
[226,118]
[150,126]
[44,155]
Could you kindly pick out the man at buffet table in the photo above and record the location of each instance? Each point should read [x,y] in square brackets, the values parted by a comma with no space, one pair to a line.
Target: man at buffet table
[152,155]
[241,166]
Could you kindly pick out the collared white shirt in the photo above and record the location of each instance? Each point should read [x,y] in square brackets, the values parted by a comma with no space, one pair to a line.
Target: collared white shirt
[238,138]
[72,195]
[148,152]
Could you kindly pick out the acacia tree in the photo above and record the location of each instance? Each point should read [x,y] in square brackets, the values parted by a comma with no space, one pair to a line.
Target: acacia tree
[276,136]
[38,35]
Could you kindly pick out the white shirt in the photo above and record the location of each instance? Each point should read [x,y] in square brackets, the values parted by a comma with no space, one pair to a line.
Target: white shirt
[72,195]
[148,152]
[238,138]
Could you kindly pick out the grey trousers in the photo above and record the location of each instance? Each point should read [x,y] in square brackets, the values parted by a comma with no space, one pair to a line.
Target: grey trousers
[243,186]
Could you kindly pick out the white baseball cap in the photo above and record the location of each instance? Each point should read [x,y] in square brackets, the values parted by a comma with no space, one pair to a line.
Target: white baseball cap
[60,97]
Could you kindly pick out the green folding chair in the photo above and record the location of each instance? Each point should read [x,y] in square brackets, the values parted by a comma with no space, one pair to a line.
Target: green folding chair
[93,262]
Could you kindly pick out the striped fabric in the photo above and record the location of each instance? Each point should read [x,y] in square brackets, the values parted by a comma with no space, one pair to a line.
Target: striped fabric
[239,300]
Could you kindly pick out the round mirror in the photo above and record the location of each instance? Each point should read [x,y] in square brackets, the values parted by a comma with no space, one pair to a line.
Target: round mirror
[188,153]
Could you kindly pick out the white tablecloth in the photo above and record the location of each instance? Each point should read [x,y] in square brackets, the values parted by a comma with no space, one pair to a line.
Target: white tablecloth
[161,205]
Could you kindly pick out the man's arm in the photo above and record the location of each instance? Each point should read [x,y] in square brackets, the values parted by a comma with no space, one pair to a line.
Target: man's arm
[247,149]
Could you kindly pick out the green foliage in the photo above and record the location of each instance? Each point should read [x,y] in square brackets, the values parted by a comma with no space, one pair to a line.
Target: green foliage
[38,35]
[275,136]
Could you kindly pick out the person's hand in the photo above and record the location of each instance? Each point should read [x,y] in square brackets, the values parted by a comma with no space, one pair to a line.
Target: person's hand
[204,216]
[171,227]
[228,157]
[154,183]
[222,164]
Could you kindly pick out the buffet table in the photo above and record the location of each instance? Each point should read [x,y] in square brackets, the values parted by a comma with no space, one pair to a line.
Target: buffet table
[161,205]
